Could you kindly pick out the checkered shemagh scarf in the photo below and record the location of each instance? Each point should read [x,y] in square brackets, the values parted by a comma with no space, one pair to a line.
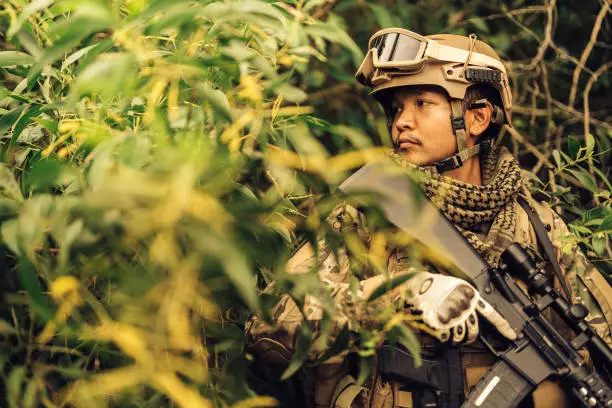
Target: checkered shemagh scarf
[469,206]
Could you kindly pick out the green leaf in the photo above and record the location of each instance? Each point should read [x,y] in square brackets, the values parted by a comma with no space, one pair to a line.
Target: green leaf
[48,124]
[22,17]
[382,15]
[29,280]
[586,179]
[44,174]
[13,386]
[23,121]
[407,338]
[389,286]
[606,225]
[300,353]
[573,146]
[480,24]
[590,144]
[291,93]
[305,143]
[358,139]
[90,17]
[10,235]
[217,99]
[12,58]
[9,119]
[258,12]
[8,185]
[599,243]
[557,158]
[333,33]
[340,344]
[111,74]
[30,395]
[75,56]
[366,367]
[5,329]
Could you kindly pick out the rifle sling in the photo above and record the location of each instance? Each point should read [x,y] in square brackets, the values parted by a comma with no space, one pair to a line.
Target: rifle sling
[546,244]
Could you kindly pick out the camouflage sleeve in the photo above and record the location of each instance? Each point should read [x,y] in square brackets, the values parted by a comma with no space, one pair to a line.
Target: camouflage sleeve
[333,269]
[586,282]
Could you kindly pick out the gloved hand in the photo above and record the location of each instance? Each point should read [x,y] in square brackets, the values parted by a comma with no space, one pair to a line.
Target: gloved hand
[448,306]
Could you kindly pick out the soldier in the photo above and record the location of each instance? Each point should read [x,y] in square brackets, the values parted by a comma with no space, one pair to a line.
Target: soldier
[446,98]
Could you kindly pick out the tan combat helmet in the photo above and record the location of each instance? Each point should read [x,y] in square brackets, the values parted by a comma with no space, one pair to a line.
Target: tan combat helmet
[397,57]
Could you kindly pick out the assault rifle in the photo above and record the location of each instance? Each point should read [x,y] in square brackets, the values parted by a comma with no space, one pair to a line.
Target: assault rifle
[540,352]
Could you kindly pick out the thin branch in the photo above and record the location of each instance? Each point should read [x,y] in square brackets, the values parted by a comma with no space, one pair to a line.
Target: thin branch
[587,91]
[518,137]
[547,35]
[567,109]
[587,51]
[549,118]
[552,45]
[325,9]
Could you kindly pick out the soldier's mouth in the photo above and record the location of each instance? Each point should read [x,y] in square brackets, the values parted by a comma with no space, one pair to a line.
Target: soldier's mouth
[406,143]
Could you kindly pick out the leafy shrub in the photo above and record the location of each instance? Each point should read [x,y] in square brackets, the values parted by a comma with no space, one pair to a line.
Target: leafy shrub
[160,157]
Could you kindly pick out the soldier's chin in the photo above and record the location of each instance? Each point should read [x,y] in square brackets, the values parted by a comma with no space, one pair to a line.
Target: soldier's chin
[414,157]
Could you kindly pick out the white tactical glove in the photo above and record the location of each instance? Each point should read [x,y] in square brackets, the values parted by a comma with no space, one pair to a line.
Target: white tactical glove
[448,306]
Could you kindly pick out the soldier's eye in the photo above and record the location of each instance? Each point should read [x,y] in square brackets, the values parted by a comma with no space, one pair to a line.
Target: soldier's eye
[423,102]
[395,109]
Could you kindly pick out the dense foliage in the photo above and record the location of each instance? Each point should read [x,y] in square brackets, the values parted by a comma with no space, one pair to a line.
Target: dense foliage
[161,158]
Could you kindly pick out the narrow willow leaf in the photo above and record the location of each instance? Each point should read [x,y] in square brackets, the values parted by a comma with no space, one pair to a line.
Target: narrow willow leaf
[174,16]
[29,10]
[13,386]
[557,158]
[333,33]
[480,24]
[382,15]
[69,32]
[291,93]
[300,353]
[386,287]
[75,56]
[9,119]
[23,121]
[248,10]
[357,138]
[217,100]
[586,179]
[29,280]
[11,58]
[340,344]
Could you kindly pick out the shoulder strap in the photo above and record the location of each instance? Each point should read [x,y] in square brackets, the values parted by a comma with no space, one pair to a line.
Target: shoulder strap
[546,244]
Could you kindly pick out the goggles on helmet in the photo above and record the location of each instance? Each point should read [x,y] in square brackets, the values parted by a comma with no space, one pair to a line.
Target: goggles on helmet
[404,50]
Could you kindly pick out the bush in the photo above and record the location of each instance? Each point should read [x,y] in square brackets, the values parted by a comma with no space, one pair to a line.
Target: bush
[161,157]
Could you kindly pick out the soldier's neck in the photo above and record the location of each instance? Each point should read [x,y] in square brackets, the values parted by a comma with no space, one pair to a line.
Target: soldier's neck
[469,172]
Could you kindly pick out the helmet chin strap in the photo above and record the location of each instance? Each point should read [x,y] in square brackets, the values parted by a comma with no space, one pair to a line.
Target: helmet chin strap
[463,152]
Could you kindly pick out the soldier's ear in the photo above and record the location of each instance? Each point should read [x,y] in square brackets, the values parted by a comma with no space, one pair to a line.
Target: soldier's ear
[478,117]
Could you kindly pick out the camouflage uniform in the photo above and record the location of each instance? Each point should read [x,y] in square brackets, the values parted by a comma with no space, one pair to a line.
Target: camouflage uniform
[587,284]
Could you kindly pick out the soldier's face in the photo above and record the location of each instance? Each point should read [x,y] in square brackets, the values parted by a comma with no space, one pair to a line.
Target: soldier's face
[422,130]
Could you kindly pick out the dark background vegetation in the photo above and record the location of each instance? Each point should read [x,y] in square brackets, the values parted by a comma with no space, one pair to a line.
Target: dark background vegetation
[160,158]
